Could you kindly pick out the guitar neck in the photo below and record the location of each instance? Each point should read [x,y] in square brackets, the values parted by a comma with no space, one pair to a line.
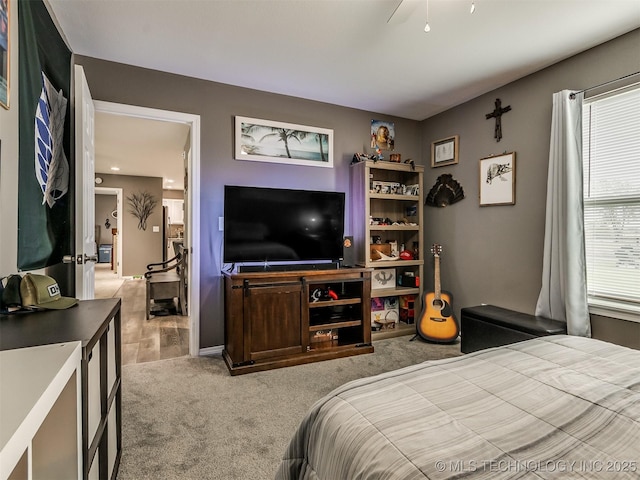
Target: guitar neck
[437,288]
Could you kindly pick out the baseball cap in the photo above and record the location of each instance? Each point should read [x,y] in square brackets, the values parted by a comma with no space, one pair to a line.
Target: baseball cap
[43,291]
[11,293]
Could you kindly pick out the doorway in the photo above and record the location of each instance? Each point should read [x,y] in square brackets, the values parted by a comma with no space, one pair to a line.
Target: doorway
[191,169]
[109,234]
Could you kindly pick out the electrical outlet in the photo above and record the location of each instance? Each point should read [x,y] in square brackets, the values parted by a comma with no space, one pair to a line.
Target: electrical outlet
[156,229]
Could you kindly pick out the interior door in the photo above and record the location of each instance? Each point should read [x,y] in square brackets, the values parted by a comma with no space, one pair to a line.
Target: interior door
[86,256]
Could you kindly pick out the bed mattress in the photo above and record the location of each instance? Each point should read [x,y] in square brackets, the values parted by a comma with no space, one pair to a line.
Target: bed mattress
[552,407]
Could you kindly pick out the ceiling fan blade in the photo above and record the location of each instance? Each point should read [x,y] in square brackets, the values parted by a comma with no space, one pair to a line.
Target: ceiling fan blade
[403,11]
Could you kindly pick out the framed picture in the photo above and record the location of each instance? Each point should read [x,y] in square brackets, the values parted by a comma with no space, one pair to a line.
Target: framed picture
[383,135]
[444,152]
[4,53]
[277,142]
[498,180]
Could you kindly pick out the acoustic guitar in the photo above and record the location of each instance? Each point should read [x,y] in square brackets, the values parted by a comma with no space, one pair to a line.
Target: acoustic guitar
[438,322]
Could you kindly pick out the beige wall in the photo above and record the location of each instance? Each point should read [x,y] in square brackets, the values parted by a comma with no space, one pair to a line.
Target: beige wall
[494,254]
[139,247]
[105,204]
[176,194]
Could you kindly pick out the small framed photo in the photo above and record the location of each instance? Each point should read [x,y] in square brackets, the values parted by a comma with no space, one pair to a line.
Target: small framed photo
[498,180]
[444,152]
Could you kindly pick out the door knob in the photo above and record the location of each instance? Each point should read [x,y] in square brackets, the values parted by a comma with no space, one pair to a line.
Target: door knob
[79,259]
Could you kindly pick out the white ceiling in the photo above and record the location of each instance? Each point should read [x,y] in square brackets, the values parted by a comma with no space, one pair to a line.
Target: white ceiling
[140,147]
[347,52]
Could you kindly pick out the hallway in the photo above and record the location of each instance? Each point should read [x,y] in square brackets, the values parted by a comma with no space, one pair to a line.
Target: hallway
[142,340]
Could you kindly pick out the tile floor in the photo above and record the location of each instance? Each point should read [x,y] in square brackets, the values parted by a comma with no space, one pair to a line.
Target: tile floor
[143,340]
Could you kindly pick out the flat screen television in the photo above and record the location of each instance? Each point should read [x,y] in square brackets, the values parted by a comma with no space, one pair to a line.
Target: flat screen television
[282,225]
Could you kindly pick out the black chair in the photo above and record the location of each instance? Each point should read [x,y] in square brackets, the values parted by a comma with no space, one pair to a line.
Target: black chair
[167,280]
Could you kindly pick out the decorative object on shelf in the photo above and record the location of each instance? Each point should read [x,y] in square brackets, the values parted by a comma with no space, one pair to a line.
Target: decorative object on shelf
[445,151]
[406,255]
[383,278]
[323,294]
[498,180]
[407,311]
[142,205]
[380,251]
[278,142]
[361,157]
[322,336]
[383,135]
[385,312]
[395,157]
[497,114]
[409,279]
[446,191]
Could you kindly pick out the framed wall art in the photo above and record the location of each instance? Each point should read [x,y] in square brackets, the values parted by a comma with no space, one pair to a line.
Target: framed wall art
[498,180]
[383,135]
[4,53]
[444,152]
[277,142]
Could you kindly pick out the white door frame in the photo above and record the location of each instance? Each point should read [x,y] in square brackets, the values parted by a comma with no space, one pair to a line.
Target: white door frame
[118,193]
[192,198]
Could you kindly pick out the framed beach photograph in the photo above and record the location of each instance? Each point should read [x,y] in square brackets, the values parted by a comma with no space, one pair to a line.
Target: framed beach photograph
[445,152]
[498,180]
[4,53]
[277,142]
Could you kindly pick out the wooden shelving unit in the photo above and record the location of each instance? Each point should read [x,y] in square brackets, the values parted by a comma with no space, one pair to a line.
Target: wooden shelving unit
[279,319]
[404,207]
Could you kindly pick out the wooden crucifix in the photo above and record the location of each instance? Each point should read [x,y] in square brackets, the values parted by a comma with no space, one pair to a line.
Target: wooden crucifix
[497,114]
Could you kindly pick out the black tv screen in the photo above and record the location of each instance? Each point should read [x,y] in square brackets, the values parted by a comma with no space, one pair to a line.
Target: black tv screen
[282,225]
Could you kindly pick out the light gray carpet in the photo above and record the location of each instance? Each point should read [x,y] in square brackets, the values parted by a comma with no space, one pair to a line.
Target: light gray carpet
[187,418]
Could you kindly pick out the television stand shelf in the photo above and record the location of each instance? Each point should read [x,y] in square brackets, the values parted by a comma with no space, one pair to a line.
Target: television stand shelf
[280,319]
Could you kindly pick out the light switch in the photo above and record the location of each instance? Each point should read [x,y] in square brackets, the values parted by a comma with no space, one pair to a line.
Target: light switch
[221,224]
[156,229]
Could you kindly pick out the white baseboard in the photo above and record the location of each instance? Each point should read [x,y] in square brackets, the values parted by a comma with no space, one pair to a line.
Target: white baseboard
[217,350]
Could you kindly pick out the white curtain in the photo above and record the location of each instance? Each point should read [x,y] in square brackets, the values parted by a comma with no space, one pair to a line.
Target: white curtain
[563,295]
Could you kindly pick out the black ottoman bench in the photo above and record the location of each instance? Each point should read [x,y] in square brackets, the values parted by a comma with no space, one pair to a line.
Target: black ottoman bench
[488,326]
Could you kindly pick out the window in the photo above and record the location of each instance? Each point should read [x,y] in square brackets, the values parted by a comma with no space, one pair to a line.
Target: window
[611,159]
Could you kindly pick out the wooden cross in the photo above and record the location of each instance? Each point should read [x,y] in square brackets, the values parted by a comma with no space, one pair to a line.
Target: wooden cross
[497,114]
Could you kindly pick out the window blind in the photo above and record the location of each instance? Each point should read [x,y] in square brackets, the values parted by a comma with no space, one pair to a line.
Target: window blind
[611,162]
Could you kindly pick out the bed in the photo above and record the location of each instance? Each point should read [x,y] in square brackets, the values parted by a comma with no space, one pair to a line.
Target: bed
[552,407]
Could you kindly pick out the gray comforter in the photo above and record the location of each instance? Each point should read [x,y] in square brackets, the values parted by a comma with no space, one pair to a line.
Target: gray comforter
[553,407]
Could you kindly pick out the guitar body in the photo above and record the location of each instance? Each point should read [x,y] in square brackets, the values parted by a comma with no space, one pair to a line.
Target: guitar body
[438,322]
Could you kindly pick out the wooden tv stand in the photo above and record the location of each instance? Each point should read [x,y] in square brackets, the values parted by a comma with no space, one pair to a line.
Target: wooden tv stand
[272,320]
